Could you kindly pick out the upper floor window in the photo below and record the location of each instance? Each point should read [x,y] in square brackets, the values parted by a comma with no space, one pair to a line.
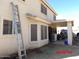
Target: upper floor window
[23,0]
[54,17]
[43,9]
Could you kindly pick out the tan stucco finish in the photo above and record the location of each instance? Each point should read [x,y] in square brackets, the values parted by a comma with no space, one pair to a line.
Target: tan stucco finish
[8,42]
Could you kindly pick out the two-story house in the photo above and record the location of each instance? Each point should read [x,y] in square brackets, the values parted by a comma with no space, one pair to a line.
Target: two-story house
[37,19]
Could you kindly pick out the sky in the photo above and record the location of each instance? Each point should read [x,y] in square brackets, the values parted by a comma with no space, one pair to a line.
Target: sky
[67,9]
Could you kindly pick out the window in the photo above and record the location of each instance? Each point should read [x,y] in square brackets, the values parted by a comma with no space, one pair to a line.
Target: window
[33,32]
[54,17]
[43,9]
[43,32]
[7,27]
[23,0]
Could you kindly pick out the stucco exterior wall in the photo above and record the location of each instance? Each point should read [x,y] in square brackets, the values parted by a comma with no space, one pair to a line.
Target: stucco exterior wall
[35,9]
[8,43]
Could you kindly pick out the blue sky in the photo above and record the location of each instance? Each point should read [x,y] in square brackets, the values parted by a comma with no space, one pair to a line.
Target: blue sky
[67,9]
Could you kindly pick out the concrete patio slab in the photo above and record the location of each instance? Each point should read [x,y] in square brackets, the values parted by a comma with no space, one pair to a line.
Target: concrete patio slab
[49,52]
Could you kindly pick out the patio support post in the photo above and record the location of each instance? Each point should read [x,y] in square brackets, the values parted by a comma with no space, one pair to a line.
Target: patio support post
[55,35]
[69,26]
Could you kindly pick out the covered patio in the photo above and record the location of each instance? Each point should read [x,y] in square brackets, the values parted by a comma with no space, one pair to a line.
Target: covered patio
[64,23]
[56,23]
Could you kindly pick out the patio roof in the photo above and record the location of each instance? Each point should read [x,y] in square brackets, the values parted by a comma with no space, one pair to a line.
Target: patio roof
[56,23]
[30,16]
[60,23]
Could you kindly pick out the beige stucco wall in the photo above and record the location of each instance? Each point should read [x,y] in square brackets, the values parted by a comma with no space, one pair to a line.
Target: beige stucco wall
[35,9]
[8,43]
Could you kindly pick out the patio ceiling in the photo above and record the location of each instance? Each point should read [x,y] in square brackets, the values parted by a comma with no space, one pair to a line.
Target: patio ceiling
[60,23]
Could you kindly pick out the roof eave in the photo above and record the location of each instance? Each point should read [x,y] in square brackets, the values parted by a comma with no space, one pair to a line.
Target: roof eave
[49,6]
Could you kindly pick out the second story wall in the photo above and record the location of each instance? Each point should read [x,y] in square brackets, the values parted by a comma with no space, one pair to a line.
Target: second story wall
[27,6]
[6,8]
[35,9]
[5,11]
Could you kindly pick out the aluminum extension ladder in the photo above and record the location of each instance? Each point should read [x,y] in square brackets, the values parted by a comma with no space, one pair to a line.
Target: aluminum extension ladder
[17,26]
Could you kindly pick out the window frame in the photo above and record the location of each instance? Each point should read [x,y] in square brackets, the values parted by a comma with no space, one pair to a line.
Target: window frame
[23,0]
[43,9]
[32,32]
[44,32]
[7,27]
[54,17]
